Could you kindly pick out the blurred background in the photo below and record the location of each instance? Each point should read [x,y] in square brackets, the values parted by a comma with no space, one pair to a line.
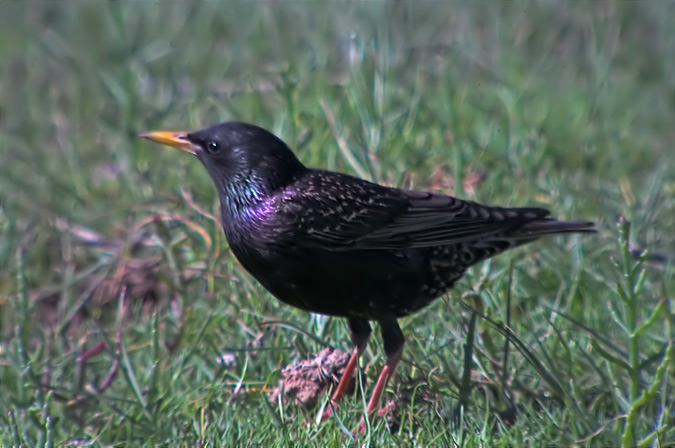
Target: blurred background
[107,241]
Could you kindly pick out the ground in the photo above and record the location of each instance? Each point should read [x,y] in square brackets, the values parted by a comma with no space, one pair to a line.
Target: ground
[125,320]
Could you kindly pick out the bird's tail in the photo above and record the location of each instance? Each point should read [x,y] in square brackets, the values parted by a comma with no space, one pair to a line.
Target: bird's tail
[550,226]
[526,233]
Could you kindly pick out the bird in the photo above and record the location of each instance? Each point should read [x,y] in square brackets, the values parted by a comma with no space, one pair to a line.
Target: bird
[338,245]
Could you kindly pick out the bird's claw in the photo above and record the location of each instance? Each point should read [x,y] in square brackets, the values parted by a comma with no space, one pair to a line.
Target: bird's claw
[386,409]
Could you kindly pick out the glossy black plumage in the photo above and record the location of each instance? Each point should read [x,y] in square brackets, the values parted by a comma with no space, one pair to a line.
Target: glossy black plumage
[334,244]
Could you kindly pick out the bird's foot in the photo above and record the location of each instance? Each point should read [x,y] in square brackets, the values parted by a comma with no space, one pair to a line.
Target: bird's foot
[383,412]
[362,427]
[327,413]
[386,409]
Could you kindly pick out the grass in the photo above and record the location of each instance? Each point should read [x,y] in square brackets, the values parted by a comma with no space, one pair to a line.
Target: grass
[109,244]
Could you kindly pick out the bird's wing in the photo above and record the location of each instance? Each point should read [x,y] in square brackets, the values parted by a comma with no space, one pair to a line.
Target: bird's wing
[342,212]
[436,220]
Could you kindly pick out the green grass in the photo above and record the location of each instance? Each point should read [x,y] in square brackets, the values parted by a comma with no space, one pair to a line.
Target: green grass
[566,105]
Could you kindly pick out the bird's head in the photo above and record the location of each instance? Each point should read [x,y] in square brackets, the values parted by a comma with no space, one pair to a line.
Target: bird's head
[247,163]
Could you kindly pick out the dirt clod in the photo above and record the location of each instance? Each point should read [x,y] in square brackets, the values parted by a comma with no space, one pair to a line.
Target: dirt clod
[305,382]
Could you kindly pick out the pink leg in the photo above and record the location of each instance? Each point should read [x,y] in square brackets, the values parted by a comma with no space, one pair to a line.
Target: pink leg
[359,332]
[385,375]
[392,337]
[343,385]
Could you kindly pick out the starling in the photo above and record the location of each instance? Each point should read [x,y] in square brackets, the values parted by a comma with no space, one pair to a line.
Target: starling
[337,245]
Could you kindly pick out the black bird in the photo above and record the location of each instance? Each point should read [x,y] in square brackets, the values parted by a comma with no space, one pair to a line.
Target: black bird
[334,244]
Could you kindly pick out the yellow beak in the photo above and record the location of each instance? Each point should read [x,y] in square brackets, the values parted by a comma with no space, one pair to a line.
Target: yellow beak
[176,139]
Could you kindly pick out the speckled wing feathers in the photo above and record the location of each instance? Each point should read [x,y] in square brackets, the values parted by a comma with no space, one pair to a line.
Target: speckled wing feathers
[334,211]
[349,213]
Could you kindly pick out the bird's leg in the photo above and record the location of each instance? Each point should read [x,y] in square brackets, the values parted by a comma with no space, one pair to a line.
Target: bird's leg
[392,336]
[359,331]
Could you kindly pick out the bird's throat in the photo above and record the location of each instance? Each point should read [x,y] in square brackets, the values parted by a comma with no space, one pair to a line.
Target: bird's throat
[239,195]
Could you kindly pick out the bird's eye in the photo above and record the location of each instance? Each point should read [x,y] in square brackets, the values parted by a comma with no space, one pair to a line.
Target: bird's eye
[213,147]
